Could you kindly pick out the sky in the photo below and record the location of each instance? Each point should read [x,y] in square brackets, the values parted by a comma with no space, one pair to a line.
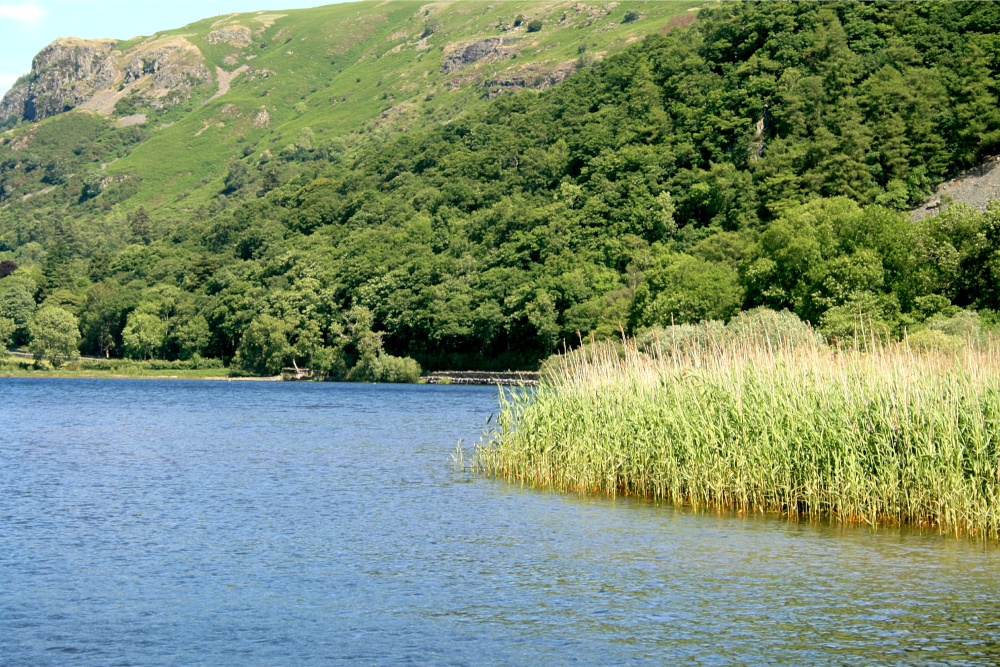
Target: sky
[27,26]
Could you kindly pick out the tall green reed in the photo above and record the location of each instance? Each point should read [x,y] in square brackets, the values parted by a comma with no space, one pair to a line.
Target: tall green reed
[879,433]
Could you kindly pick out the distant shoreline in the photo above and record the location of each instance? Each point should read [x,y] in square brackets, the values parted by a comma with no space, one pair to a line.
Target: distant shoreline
[461,378]
[90,375]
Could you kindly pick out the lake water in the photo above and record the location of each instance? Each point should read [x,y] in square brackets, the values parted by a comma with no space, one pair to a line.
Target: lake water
[182,523]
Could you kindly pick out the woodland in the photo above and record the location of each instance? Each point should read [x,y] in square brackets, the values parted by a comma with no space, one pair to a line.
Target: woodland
[767,155]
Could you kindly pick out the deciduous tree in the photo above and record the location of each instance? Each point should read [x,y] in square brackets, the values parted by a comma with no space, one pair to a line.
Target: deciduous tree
[55,335]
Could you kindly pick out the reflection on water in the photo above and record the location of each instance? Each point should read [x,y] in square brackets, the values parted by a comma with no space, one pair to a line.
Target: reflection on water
[150,523]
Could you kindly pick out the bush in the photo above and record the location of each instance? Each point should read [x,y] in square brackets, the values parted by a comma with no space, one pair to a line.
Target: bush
[935,340]
[964,324]
[767,327]
[683,337]
[760,327]
[864,316]
[949,332]
[125,365]
[385,368]
[535,26]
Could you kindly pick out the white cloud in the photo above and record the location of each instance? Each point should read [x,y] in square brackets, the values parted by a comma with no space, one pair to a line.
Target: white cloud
[27,13]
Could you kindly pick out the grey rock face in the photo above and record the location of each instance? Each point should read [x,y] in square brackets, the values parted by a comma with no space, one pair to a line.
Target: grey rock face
[235,35]
[14,102]
[461,55]
[976,187]
[170,66]
[63,74]
[535,77]
[74,72]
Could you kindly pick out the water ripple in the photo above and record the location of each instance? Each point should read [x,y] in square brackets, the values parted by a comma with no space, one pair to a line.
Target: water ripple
[166,523]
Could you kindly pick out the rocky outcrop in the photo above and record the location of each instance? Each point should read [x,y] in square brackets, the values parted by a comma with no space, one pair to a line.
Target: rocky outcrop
[462,54]
[15,102]
[539,77]
[63,75]
[977,187]
[235,35]
[177,64]
[95,75]
[261,119]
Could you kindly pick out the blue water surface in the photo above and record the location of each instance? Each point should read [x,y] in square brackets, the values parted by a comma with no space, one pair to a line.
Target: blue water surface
[215,523]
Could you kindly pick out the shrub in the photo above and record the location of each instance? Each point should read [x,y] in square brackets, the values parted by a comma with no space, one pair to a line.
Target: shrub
[683,337]
[964,324]
[760,327]
[766,327]
[935,340]
[385,368]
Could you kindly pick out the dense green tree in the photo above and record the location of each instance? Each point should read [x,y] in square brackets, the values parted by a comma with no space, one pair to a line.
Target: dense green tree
[55,335]
[7,329]
[17,303]
[237,176]
[264,348]
[57,273]
[684,289]
[144,335]
[192,337]
[140,226]
[104,316]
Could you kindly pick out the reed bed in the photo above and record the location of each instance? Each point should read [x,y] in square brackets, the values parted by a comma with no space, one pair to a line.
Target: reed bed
[881,435]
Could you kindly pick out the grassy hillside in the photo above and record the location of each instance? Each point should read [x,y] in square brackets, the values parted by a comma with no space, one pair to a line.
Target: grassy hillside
[343,72]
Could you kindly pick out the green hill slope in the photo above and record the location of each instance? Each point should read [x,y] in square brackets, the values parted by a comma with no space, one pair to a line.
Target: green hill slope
[320,75]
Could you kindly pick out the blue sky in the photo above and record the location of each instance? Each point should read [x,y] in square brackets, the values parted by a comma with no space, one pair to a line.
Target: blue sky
[26,26]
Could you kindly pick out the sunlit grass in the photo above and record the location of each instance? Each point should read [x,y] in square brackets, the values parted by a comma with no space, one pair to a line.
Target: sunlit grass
[886,435]
[11,367]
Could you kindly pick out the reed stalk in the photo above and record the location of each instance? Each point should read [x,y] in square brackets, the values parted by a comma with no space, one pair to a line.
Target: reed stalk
[877,434]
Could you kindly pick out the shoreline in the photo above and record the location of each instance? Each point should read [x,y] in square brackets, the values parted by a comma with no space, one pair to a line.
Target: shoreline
[56,375]
[434,379]
[19,365]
